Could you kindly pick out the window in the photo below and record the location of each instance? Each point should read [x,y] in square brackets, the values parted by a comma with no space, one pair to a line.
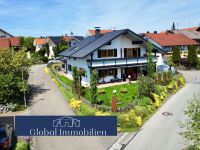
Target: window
[110,53]
[69,67]
[107,72]
[131,52]
[107,53]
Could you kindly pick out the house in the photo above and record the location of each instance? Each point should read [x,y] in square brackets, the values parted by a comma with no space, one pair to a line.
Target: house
[39,43]
[5,34]
[114,55]
[192,33]
[92,32]
[13,42]
[167,40]
[72,40]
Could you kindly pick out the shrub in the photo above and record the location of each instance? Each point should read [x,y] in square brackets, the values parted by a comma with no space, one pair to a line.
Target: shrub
[75,104]
[159,77]
[165,78]
[144,101]
[170,75]
[123,91]
[192,56]
[140,111]
[176,55]
[86,110]
[44,59]
[102,91]
[138,121]
[164,89]
[156,99]
[181,80]
[145,86]
[101,113]
[158,89]
[21,145]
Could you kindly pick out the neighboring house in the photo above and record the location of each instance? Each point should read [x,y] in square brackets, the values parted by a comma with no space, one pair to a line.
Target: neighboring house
[167,40]
[72,40]
[92,32]
[192,33]
[5,34]
[13,42]
[114,55]
[39,43]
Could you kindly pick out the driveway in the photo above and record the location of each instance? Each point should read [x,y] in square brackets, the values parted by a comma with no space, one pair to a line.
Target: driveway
[48,100]
[162,132]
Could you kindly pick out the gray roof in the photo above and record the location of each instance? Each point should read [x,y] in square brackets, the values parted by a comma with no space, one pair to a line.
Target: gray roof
[189,33]
[6,32]
[92,43]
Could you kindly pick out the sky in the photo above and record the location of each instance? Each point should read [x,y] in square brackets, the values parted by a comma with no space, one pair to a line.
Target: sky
[60,17]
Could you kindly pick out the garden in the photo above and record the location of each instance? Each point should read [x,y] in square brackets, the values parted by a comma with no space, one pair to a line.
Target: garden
[136,102]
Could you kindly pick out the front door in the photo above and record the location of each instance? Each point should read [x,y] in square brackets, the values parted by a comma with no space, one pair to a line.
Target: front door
[132,72]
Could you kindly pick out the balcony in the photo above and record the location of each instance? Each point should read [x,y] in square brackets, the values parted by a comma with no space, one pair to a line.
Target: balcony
[119,62]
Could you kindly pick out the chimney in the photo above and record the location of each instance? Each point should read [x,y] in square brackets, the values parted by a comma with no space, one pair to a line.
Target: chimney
[97,31]
[155,32]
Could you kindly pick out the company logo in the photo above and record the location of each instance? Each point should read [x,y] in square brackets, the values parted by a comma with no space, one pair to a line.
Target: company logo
[66,122]
[66,125]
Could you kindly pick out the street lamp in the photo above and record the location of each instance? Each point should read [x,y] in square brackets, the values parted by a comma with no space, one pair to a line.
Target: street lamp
[22,69]
[129,78]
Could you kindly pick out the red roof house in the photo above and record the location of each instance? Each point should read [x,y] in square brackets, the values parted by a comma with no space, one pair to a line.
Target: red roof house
[168,40]
[6,43]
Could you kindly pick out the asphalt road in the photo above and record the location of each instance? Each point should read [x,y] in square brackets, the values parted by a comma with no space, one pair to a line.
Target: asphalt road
[48,100]
[162,132]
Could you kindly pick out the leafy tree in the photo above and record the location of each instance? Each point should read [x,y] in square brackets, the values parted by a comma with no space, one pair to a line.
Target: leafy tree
[192,125]
[60,47]
[12,85]
[12,62]
[192,56]
[146,85]
[170,63]
[76,82]
[150,63]
[176,56]
[27,44]
[93,86]
[173,26]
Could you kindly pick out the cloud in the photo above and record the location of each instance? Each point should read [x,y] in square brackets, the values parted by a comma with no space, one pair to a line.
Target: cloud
[56,17]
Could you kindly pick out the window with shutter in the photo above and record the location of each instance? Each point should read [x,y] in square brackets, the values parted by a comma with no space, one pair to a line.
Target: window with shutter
[99,53]
[115,52]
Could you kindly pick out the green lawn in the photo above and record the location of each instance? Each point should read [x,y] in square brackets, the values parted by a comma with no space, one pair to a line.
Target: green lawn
[123,99]
[65,80]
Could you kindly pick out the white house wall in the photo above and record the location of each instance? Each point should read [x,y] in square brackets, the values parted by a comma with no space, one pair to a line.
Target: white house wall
[118,43]
[79,63]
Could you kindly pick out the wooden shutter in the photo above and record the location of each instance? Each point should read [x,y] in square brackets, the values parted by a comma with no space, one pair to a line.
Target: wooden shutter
[99,53]
[115,52]
[125,53]
[115,71]
[139,52]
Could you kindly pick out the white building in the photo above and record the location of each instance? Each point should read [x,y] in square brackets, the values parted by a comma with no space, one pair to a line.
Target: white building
[114,55]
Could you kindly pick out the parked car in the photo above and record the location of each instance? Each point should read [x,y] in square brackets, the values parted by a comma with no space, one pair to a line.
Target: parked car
[6,133]
[165,68]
